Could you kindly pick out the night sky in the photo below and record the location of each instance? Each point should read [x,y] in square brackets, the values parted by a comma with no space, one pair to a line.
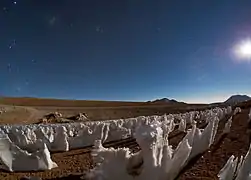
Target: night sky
[124,49]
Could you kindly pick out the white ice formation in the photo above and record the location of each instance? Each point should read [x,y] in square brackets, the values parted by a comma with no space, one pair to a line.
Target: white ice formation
[237,110]
[157,160]
[227,126]
[34,142]
[15,159]
[237,170]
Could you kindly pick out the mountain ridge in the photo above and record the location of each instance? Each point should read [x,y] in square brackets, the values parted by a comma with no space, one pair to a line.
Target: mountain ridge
[164,100]
[234,99]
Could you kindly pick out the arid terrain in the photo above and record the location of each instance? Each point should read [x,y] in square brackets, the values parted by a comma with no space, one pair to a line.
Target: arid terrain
[73,163]
[30,110]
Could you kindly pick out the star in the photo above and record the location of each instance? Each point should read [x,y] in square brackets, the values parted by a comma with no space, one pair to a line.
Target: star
[9,67]
[13,43]
[52,20]
[15,2]
[99,29]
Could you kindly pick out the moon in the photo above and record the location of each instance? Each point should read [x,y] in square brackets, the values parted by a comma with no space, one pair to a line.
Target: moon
[243,50]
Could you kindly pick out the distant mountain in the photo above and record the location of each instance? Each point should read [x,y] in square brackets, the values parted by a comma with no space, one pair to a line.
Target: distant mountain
[163,101]
[237,99]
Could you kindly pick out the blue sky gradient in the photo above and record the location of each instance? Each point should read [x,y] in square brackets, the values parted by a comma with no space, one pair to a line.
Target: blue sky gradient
[124,50]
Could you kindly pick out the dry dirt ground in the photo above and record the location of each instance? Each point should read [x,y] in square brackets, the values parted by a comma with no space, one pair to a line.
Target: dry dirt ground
[75,162]
[30,110]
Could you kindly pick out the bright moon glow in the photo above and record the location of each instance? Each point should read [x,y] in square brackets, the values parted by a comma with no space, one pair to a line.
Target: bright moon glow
[243,50]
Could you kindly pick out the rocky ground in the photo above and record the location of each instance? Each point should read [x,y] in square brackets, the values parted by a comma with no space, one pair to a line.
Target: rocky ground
[72,164]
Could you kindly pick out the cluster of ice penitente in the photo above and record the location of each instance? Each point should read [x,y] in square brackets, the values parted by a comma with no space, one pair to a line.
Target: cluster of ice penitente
[227,127]
[35,142]
[237,110]
[157,160]
[237,169]
[15,159]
